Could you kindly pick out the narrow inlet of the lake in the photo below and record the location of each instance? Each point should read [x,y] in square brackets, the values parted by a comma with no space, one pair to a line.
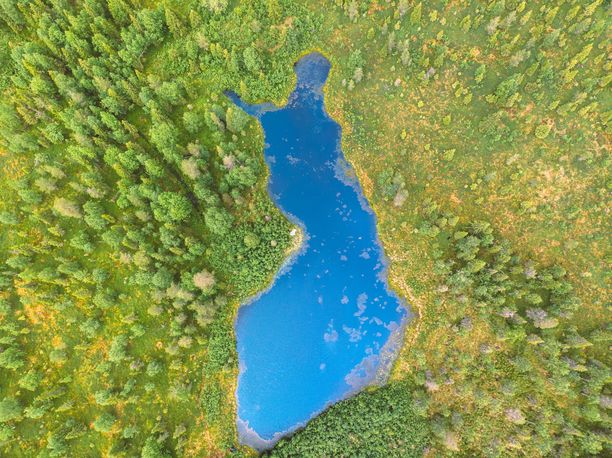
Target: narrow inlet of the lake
[328,325]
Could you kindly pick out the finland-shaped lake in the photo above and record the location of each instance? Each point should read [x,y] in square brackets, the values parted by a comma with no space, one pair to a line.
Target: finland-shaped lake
[328,325]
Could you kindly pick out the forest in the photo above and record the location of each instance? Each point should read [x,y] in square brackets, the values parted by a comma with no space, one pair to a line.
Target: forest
[134,220]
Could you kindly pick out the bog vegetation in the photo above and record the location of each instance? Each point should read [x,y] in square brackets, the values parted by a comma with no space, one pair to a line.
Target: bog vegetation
[134,219]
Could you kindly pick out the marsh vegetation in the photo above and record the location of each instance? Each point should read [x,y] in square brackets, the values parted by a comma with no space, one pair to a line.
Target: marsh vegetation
[134,219]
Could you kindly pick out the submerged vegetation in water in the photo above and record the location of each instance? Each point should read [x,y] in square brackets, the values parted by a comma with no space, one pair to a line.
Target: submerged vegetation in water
[134,218]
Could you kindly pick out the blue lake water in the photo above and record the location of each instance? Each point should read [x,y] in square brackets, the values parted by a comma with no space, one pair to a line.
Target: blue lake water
[328,325]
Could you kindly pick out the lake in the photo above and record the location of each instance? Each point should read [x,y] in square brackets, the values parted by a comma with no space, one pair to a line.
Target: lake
[328,325]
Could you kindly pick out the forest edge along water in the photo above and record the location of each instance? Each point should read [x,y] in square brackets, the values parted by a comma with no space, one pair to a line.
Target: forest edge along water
[329,324]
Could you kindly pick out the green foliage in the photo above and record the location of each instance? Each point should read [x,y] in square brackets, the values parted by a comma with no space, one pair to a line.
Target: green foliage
[11,358]
[218,220]
[104,423]
[379,423]
[10,409]
[152,449]
[524,310]
[172,207]
[126,195]
[480,110]
[542,131]
[236,119]
[134,218]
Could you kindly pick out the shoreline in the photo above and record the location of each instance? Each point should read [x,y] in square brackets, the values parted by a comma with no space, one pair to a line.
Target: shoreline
[386,358]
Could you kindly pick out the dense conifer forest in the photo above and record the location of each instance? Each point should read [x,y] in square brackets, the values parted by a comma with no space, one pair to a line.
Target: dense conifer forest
[134,220]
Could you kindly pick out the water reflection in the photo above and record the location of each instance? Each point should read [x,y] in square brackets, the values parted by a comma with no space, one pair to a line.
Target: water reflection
[329,324]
